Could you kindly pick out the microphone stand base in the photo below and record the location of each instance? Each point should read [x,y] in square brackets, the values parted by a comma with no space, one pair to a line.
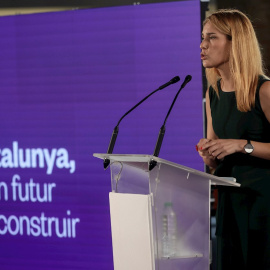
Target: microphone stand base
[106,163]
[152,165]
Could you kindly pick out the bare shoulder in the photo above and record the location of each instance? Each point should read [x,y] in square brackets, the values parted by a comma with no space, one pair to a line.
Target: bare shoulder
[207,94]
[265,93]
[265,99]
[207,99]
[265,89]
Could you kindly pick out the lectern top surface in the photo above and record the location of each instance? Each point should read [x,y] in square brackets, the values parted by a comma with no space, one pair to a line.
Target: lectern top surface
[132,159]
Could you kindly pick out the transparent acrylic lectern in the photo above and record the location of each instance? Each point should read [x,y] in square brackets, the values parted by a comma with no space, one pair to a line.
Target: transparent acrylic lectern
[136,206]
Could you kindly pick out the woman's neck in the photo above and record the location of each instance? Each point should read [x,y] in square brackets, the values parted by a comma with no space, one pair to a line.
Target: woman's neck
[227,84]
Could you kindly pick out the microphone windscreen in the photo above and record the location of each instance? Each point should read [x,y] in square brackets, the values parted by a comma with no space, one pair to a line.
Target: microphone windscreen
[188,78]
[175,79]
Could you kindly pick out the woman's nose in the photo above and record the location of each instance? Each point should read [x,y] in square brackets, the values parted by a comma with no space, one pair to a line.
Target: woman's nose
[203,45]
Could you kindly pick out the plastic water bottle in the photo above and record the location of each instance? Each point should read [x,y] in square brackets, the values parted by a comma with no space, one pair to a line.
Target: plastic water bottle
[169,238]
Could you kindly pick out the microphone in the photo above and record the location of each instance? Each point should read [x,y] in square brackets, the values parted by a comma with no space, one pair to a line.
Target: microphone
[172,81]
[152,162]
[106,161]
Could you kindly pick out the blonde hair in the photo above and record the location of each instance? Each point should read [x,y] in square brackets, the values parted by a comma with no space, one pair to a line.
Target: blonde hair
[245,60]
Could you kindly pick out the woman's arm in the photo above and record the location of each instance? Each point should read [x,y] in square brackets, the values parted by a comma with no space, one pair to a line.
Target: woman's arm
[221,148]
[262,150]
[208,159]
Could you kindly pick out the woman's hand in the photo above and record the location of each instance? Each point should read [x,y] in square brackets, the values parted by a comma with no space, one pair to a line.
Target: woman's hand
[220,148]
[202,149]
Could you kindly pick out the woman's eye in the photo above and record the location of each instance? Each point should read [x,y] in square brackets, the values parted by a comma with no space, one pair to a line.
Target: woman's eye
[212,37]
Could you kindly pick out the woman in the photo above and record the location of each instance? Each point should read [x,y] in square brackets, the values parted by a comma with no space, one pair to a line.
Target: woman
[238,138]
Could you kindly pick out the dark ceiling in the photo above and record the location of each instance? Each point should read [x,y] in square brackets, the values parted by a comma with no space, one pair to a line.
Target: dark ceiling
[72,3]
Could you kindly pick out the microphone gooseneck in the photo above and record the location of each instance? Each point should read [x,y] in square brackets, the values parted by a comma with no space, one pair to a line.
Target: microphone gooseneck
[161,134]
[106,161]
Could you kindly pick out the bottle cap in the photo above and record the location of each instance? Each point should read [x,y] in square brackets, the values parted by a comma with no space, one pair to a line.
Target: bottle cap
[168,204]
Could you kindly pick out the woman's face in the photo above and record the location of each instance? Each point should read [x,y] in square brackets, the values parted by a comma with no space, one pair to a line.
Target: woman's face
[215,48]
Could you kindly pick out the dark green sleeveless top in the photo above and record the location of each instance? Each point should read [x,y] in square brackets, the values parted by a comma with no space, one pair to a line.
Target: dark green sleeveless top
[229,123]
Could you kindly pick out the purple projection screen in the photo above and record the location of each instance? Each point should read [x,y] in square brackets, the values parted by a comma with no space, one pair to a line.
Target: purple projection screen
[66,79]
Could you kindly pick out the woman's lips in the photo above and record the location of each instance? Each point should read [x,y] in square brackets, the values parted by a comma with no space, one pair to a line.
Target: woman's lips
[203,56]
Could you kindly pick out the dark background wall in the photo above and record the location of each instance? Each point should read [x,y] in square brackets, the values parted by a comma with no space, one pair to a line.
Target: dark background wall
[259,13]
